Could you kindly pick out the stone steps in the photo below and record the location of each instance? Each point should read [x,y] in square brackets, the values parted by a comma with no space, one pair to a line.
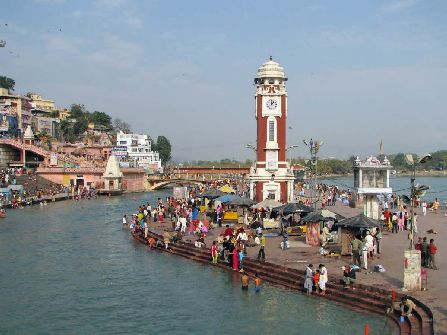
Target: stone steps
[363,298]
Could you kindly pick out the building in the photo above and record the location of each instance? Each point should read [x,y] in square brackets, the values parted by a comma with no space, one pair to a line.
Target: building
[10,112]
[45,124]
[40,104]
[271,176]
[139,151]
[371,179]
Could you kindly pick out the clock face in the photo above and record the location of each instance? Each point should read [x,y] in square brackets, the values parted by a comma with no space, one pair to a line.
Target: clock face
[271,104]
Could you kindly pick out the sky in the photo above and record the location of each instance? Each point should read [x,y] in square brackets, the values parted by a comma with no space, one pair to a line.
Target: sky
[359,71]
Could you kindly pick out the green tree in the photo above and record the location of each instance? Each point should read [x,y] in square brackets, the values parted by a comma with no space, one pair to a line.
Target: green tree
[101,118]
[8,83]
[163,146]
[77,111]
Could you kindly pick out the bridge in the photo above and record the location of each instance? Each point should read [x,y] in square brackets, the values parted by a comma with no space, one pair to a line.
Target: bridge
[159,183]
[23,148]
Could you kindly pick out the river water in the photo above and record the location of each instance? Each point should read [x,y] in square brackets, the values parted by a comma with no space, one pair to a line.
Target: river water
[401,185]
[69,268]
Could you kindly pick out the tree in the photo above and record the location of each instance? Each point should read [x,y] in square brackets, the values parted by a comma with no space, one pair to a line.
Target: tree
[7,83]
[120,125]
[77,111]
[101,118]
[163,146]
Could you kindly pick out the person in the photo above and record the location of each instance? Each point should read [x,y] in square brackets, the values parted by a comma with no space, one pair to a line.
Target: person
[245,279]
[308,281]
[151,242]
[166,239]
[424,208]
[258,282]
[424,252]
[214,253]
[348,275]
[432,249]
[243,239]
[316,279]
[261,252]
[406,306]
[435,206]
[125,220]
[323,279]
[394,220]
[241,260]
[365,256]
[356,247]
[378,240]
[369,244]
[235,258]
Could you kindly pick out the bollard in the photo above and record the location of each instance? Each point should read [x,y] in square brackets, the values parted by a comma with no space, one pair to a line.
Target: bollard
[366,329]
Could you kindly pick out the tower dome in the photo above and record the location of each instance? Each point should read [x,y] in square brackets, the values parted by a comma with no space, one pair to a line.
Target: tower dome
[271,69]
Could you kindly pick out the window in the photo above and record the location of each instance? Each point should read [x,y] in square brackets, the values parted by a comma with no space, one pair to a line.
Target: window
[271,131]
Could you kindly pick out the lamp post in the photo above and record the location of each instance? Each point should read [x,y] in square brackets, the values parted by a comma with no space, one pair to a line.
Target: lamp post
[412,257]
[314,146]
[415,190]
[289,148]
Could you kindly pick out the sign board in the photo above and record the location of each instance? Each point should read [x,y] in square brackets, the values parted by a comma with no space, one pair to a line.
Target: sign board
[180,192]
[119,151]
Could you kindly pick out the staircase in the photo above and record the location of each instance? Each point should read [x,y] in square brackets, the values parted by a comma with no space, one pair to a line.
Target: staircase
[363,298]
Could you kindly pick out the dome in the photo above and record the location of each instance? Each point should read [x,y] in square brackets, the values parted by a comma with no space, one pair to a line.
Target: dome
[29,135]
[271,69]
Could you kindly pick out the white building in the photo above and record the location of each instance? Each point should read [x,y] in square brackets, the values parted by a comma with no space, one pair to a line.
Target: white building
[139,151]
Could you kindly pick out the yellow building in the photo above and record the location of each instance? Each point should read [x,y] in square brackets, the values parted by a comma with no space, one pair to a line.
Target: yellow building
[63,113]
[42,104]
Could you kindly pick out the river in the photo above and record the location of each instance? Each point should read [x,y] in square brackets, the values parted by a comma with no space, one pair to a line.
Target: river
[69,268]
[401,185]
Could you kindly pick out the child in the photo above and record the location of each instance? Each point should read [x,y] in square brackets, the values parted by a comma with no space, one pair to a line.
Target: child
[316,280]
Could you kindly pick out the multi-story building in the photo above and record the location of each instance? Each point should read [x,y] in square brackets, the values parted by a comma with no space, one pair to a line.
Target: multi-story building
[10,112]
[139,151]
[45,124]
[41,104]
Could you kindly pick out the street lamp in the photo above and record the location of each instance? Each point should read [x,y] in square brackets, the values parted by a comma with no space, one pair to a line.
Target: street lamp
[415,190]
[289,148]
[314,146]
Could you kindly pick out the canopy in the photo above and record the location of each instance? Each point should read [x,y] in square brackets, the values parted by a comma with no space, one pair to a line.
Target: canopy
[241,201]
[227,189]
[212,193]
[359,221]
[226,198]
[268,203]
[293,207]
[321,215]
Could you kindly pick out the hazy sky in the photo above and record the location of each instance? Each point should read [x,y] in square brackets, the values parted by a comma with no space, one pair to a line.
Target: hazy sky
[359,71]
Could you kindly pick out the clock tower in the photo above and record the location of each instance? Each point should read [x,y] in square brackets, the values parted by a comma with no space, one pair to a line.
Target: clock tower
[271,176]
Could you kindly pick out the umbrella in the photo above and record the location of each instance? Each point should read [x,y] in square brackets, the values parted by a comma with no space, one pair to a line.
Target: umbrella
[212,193]
[322,215]
[359,221]
[268,203]
[293,207]
[226,198]
[227,189]
[240,201]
